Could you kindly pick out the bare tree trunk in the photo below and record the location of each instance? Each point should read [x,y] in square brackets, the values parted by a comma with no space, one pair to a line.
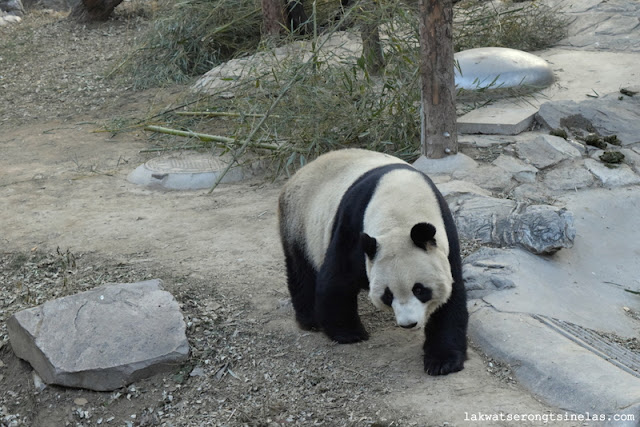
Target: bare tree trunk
[438,98]
[94,10]
[371,46]
[273,17]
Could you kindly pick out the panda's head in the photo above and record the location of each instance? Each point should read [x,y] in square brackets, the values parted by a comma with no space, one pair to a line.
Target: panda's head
[407,272]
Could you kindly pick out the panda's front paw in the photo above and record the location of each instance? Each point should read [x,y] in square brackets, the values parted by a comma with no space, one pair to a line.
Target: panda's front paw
[453,361]
[307,323]
[344,336]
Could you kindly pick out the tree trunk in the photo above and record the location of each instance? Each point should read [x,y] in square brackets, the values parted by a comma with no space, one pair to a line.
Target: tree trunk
[372,54]
[273,18]
[438,97]
[94,10]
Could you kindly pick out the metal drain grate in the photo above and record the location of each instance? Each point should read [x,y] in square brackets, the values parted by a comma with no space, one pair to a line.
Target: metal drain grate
[191,164]
[612,352]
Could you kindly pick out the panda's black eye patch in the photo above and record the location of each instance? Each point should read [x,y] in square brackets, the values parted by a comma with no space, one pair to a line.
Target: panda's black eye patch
[387,297]
[421,292]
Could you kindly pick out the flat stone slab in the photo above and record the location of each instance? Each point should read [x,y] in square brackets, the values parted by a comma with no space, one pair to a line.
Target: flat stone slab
[522,172]
[612,177]
[446,165]
[497,120]
[185,172]
[608,115]
[489,177]
[102,339]
[457,188]
[569,176]
[602,24]
[546,150]
[491,68]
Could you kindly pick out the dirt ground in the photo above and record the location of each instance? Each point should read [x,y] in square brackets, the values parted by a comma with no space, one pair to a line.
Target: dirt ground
[69,221]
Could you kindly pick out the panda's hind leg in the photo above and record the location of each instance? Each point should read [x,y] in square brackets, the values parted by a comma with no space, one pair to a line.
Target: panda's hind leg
[301,279]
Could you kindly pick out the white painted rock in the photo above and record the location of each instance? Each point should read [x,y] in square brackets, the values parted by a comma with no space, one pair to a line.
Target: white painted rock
[102,339]
[491,68]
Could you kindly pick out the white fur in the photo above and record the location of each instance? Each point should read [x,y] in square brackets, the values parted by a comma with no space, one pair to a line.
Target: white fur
[330,176]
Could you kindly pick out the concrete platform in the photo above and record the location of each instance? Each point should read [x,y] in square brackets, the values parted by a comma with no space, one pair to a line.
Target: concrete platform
[498,120]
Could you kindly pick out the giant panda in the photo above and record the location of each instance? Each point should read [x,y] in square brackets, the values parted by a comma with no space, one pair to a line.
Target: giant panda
[355,219]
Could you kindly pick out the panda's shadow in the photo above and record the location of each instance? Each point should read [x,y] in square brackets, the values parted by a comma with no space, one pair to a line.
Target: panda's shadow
[389,347]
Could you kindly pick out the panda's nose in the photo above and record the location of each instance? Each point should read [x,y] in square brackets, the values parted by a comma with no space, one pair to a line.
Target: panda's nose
[410,325]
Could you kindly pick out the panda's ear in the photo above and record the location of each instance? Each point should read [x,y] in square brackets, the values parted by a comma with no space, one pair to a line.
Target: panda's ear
[369,244]
[423,233]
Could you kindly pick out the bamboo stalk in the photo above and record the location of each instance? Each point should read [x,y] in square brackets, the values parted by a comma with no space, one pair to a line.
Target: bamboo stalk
[222,141]
[161,149]
[201,136]
[221,114]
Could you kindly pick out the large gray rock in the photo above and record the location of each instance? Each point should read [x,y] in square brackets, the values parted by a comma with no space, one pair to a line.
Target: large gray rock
[546,150]
[608,115]
[540,229]
[102,339]
[483,276]
[13,7]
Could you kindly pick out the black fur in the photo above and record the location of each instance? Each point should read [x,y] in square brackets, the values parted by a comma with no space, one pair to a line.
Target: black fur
[327,299]
[369,244]
[445,346]
[423,233]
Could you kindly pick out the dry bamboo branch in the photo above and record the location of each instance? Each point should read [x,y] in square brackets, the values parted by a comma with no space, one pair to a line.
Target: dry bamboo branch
[201,136]
[222,141]
[221,114]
